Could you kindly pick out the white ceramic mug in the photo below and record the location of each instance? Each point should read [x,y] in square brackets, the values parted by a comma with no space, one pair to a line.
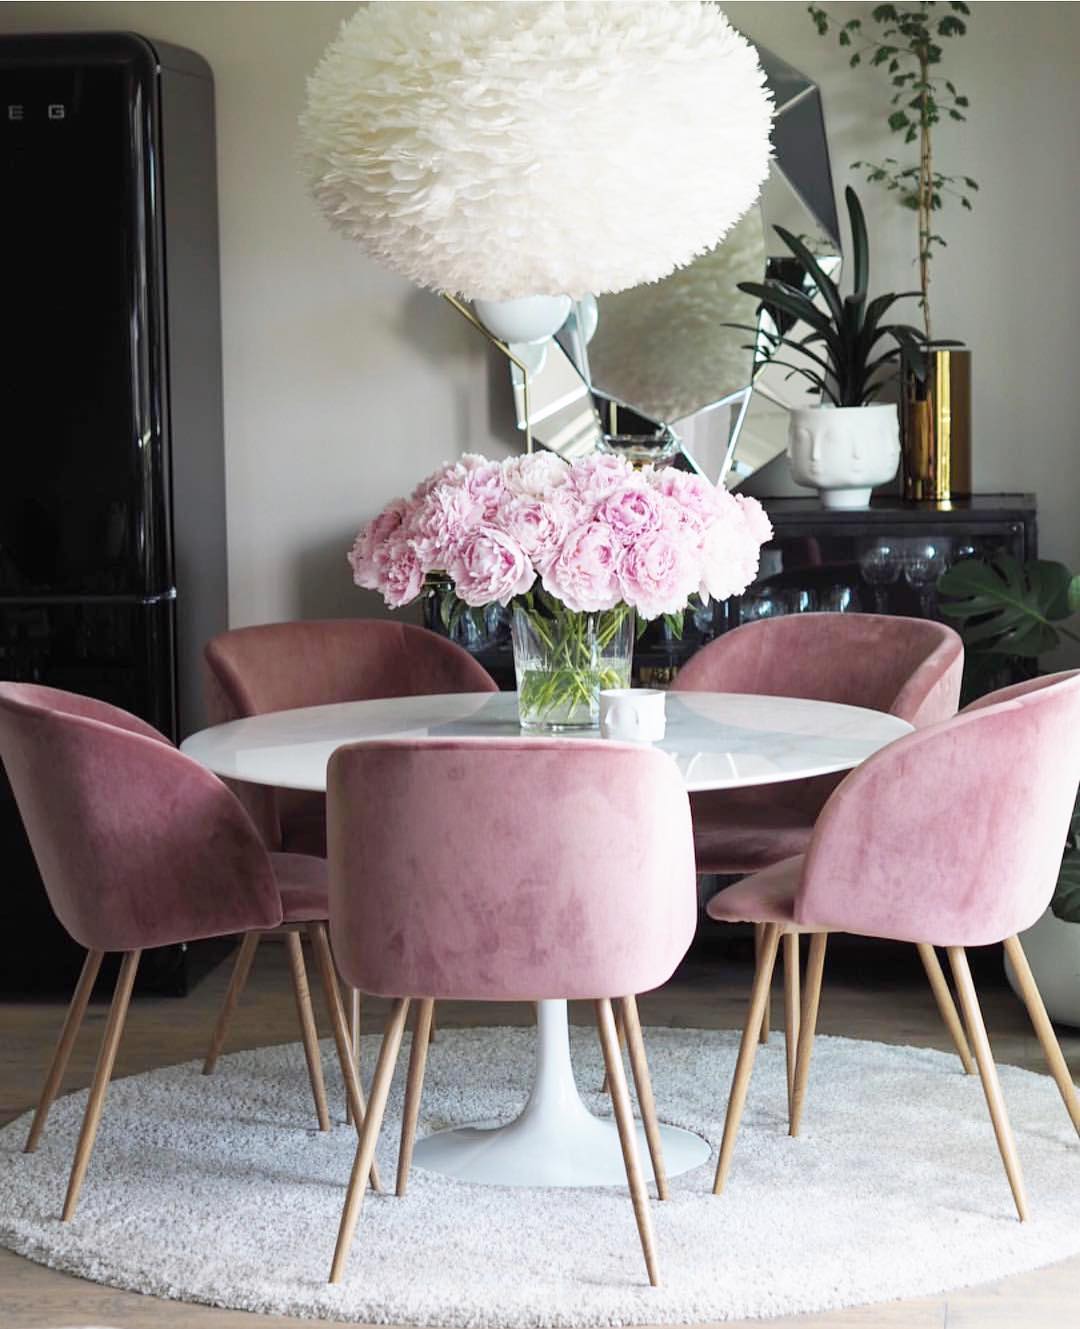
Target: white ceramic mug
[632,714]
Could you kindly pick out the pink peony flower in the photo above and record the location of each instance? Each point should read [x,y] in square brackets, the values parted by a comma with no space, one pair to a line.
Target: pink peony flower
[696,496]
[399,571]
[371,537]
[631,512]
[451,473]
[757,522]
[535,475]
[490,566]
[585,576]
[659,573]
[598,477]
[539,528]
[729,556]
[437,526]
[484,484]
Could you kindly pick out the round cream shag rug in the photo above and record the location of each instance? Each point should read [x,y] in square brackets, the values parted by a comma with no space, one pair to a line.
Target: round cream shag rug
[219,1190]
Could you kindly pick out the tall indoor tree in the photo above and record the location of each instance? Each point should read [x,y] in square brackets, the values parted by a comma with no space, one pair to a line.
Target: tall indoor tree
[906,44]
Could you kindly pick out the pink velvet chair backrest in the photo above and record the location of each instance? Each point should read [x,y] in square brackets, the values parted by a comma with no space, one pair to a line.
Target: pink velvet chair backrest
[508,870]
[909,667]
[283,666]
[954,834]
[137,844]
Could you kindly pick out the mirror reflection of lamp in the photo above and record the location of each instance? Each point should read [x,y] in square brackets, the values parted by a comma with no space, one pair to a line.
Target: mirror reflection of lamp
[496,164]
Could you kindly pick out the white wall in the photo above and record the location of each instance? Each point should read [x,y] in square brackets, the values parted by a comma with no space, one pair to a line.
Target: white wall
[344,385]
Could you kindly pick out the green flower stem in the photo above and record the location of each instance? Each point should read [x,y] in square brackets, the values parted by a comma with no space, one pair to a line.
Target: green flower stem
[559,684]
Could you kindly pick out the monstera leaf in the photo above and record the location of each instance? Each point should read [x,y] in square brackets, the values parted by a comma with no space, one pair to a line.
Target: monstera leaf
[1066,901]
[1010,608]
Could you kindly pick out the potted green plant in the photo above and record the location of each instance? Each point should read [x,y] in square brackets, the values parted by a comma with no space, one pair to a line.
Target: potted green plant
[849,442]
[906,44]
[1005,609]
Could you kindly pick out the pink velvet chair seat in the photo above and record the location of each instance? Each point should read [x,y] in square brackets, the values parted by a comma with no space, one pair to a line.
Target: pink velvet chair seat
[282,666]
[743,830]
[138,846]
[303,831]
[304,887]
[508,870]
[766,897]
[952,836]
[909,667]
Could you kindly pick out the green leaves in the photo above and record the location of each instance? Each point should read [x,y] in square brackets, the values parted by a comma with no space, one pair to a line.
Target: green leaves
[848,372]
[906,46]
[1066,901]
[1009,608]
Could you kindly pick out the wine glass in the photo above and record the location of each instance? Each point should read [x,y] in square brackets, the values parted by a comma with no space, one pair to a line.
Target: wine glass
[924,563]
[880,566]
[763,603]
[839,600]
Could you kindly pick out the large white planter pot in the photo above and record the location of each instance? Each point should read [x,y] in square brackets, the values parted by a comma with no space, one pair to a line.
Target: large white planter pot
[1053,951]
[844,451]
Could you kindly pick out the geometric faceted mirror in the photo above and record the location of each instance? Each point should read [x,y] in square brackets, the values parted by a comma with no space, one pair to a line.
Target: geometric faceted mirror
[658,362]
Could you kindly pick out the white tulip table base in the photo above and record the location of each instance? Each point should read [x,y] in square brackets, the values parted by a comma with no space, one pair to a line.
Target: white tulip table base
[219,1190]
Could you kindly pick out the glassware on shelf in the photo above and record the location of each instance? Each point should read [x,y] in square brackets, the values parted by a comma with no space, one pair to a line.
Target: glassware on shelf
[924,562]
[839,600]
[881,566]
[771,601]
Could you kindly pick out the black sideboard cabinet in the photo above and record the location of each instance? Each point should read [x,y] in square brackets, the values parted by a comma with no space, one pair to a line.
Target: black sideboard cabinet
[883,559]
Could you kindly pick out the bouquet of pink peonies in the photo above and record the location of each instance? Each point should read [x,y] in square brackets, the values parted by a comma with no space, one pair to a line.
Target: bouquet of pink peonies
[575,550]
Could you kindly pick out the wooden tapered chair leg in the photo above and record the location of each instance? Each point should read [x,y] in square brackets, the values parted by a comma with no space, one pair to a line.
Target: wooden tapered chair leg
[354,1093]
[1044,1030]
[791,1010]
[414,1088]
[354,1013]
[308,1032]
[624,1119]
[759,939]
[605,1087]
[815,969]
[68,1034]
[369,1135]
[747,1051]
[241,970]
[945,1004]
[643,1084]
[969,1003]
[110,1041]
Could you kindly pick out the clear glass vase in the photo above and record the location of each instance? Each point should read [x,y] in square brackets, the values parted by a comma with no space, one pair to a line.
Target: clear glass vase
[562,659]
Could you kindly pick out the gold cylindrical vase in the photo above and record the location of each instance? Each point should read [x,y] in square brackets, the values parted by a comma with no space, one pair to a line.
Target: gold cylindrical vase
[936,428]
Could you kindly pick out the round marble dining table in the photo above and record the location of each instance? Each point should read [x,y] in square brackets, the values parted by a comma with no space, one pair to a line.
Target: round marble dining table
[717,740]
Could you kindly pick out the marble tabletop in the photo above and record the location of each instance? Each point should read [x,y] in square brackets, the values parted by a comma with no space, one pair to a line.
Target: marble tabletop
[719,740]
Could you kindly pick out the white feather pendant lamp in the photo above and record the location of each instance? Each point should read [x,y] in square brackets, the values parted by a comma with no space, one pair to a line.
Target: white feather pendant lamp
[501,150]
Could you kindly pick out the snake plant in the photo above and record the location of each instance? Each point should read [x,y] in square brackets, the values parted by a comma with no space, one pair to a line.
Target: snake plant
[842,355]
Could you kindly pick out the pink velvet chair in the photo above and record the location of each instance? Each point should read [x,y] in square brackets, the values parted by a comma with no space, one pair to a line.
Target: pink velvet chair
[578,825]
[949,837]
[140,846]
[283,666]
[908,667]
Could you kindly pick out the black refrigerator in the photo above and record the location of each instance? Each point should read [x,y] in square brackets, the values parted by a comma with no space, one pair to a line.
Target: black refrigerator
[112,487]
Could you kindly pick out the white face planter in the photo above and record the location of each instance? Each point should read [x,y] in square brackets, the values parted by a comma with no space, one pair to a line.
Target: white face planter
[844,451]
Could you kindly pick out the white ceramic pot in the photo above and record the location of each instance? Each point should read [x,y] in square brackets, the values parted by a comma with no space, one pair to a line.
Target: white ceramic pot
[1052,948]
[843,451]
